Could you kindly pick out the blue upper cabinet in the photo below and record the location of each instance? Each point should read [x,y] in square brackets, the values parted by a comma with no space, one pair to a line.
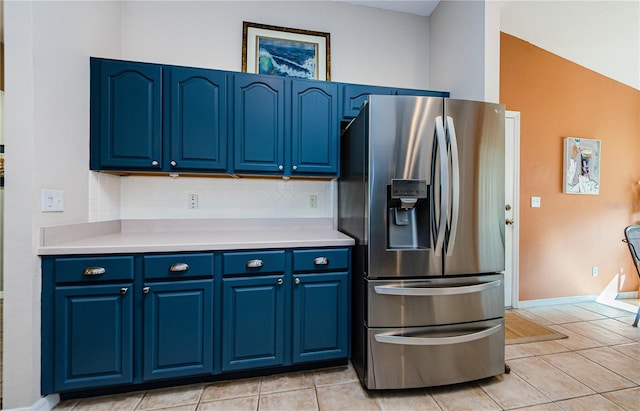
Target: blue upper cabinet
[314,128]
[149,117]
[354,96]
[259,123]
[126,115]
[198,116]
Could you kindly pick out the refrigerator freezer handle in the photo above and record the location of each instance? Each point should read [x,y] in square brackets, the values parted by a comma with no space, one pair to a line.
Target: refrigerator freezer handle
[444,185]
[433,291]
[455,185]
[395,339]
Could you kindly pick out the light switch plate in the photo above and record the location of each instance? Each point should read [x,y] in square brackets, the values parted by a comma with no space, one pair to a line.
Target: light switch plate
[535,202]
[52,200]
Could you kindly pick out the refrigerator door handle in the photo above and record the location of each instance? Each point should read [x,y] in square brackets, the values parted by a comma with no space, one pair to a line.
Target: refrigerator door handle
[396,339]
[434,291]
[455,186]
[444,185]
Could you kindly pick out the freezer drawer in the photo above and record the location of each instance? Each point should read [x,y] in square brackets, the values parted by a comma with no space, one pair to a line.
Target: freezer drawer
[431,356]
[416,303]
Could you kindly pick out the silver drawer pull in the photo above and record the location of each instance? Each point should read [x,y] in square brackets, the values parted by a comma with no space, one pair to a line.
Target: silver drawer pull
[396,339]
[297,280]
[433,291]
[179,267]
[90,271]
[280,281]
[145,290]
[254,263]
[124,290]
[321,261]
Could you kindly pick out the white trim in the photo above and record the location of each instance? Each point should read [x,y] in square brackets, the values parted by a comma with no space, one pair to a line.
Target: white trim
[555,301]
[515,256]
[627,295]
[1,295]
[43,404]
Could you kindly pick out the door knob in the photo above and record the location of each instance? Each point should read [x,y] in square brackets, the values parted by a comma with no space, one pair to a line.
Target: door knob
[510,221]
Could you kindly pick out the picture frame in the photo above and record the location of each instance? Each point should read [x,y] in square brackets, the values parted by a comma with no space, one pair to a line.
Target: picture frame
[284,51]
[581,162]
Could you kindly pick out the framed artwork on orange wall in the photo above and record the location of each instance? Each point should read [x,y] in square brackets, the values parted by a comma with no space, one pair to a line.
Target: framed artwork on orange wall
[581,166]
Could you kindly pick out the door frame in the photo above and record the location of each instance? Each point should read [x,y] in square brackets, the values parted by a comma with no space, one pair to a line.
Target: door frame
[512,166]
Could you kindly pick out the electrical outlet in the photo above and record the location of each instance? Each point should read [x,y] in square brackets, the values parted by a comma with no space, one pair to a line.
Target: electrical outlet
[535,202]
[313,201]
[193,201]
[594,271]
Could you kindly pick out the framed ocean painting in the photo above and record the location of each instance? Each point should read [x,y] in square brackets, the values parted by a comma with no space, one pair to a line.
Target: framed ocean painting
[287,52]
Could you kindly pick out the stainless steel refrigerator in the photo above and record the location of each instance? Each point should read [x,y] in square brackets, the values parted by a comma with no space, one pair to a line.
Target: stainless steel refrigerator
[422,193]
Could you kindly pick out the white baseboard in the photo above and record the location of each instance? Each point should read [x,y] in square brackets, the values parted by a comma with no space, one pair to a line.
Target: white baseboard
[43,404]
[555,301]
[628,295]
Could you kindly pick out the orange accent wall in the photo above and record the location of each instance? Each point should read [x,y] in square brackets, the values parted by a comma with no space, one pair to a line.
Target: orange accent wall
[570,233]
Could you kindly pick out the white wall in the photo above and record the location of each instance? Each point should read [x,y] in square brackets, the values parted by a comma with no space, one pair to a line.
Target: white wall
[465,49]
[603,36]
[47,45]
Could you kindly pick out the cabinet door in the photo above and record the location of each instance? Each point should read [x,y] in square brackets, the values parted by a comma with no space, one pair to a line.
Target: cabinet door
[93,336]
[252,322]
[126,110]
[355,95]
[198,138]
[178,329]
[259,123]
[314,131]
[320,313]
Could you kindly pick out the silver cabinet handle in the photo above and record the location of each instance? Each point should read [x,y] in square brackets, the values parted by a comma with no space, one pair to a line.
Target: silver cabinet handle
[280,167]
[178,267]
[295,168]
[254,263]
[91,271]
[321,261]
[124,290]
[154,163]
[396,339]
[297,280]
[280,281]
[432,291]
[145,290]
[173,163]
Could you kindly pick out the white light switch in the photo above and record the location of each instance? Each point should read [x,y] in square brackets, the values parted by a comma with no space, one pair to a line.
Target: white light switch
[535,202]
[52,200]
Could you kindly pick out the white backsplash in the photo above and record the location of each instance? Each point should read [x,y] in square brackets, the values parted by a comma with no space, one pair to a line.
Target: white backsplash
[104,197]
[146,197]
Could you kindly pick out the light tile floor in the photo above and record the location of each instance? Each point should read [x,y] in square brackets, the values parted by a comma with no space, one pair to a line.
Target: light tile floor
[596,368]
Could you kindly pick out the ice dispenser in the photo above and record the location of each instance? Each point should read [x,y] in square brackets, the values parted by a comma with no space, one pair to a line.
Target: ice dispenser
[408,214]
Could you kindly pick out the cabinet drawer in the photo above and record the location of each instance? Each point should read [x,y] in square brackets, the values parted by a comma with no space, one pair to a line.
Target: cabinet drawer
[178,266]
[79,269]
[320,259]
[253,262]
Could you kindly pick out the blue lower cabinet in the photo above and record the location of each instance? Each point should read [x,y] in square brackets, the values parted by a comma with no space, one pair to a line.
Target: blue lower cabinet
[93,336]
[178,329]
[320,317]
[253,322]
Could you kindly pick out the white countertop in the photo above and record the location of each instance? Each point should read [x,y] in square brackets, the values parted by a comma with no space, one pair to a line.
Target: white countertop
[144,236]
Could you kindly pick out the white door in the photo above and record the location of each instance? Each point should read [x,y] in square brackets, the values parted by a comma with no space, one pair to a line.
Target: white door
[512,193]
